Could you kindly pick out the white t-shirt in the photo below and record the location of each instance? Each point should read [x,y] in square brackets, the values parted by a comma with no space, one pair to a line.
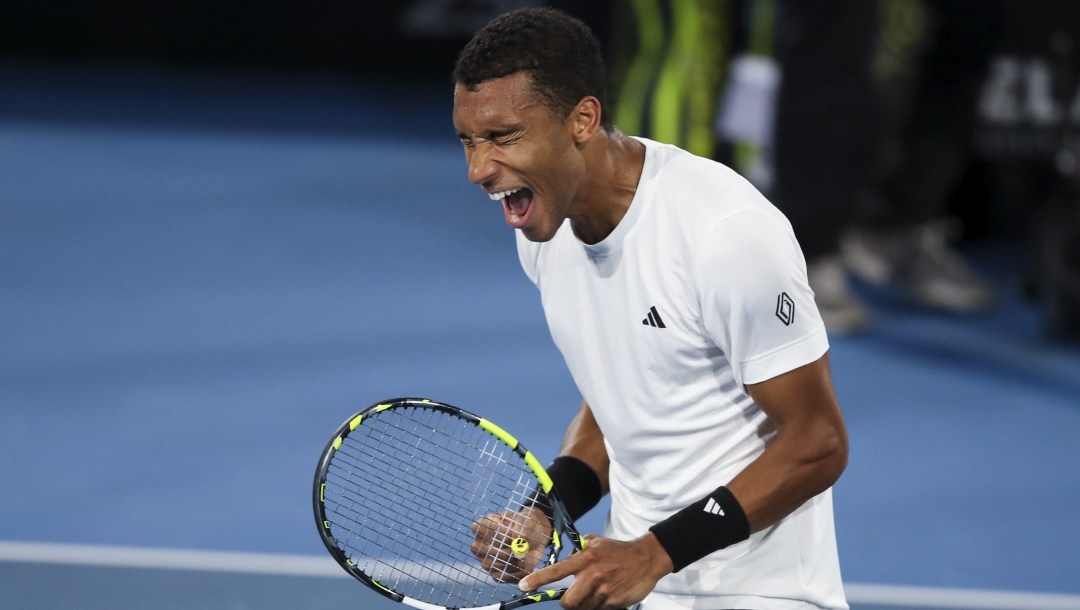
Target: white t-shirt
[699,290]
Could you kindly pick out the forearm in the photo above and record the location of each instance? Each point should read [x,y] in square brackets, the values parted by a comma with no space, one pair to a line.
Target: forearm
[808,453]
[784,477]
[805,457]
[791,470]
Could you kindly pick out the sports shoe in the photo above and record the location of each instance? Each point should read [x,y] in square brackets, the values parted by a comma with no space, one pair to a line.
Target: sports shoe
[841,311]
[920,262]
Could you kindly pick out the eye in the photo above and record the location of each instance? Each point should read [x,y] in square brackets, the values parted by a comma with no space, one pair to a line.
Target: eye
[508,138]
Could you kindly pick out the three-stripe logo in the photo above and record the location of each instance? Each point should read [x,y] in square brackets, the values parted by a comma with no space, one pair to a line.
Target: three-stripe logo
[712,506]
[653,319]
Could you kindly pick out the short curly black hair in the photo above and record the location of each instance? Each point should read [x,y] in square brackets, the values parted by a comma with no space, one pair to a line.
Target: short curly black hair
[559,52]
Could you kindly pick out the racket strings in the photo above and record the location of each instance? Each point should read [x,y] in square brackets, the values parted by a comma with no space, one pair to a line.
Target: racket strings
[383,506]
[483,492]
[378,511]
[403,492]
[410,475]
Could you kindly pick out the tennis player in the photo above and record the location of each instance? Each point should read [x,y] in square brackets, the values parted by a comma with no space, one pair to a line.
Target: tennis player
[678,297]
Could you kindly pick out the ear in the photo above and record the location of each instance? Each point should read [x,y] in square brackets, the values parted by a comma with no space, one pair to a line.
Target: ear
[585,119]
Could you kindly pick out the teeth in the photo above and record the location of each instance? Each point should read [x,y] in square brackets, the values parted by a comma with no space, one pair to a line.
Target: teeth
[498,196]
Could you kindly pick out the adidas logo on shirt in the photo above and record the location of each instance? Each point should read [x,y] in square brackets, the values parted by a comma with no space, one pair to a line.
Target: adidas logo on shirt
[653,319]
[712,506]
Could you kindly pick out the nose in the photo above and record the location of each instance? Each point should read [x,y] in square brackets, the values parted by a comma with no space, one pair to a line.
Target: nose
[481,166]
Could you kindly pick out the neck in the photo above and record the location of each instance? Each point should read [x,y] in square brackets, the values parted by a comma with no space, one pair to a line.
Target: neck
[613,164]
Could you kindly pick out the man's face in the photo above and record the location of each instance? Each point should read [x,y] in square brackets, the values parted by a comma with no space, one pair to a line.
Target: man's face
[518,153]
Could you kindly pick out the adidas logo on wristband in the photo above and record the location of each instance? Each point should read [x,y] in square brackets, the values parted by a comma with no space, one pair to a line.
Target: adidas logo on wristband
[712,506]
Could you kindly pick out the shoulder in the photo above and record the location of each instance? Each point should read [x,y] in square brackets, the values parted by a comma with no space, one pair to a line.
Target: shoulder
[704,189]
[712,210]
[671,161]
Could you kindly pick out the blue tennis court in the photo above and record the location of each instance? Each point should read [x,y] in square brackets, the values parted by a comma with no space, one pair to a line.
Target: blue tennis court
[202,274]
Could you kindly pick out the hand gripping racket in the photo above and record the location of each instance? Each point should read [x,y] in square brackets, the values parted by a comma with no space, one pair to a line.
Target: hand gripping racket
[427,504]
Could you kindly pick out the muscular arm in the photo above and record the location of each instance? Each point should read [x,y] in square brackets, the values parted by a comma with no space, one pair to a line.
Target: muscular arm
[808,453]
[585,441]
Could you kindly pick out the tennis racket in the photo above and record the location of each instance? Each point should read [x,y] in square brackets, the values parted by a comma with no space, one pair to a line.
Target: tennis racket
[436,508]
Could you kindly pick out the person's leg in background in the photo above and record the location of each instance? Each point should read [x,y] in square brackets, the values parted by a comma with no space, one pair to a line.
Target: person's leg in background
[903,240]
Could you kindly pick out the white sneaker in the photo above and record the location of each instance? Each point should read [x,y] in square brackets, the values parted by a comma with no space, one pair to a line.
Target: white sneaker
[920,262]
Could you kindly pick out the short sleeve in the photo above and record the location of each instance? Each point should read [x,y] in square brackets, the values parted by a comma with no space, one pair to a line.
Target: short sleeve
[756,302]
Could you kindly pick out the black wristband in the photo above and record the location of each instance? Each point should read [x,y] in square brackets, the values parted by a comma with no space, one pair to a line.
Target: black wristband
[576,484]
[716,521]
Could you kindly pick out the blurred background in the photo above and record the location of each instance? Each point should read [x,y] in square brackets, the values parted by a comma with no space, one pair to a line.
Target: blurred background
[224,228]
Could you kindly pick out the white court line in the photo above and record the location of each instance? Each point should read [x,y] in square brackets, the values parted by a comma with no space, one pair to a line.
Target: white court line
[170,559]
[974,599]
[311,565]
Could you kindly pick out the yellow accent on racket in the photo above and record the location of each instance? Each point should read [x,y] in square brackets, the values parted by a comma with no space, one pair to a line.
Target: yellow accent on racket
[499,433]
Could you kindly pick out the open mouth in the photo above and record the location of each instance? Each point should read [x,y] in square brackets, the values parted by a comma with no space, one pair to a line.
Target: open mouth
[516,204]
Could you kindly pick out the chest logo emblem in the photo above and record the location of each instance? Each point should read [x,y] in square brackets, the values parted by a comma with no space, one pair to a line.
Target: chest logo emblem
[653,319]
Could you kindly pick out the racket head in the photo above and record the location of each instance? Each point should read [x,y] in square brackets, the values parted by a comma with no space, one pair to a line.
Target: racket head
[399,488]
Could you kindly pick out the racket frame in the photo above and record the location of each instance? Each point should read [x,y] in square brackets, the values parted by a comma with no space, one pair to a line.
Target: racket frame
[561,522]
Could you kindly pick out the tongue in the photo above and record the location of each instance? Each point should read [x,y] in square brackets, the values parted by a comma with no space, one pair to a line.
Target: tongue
[519,202]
